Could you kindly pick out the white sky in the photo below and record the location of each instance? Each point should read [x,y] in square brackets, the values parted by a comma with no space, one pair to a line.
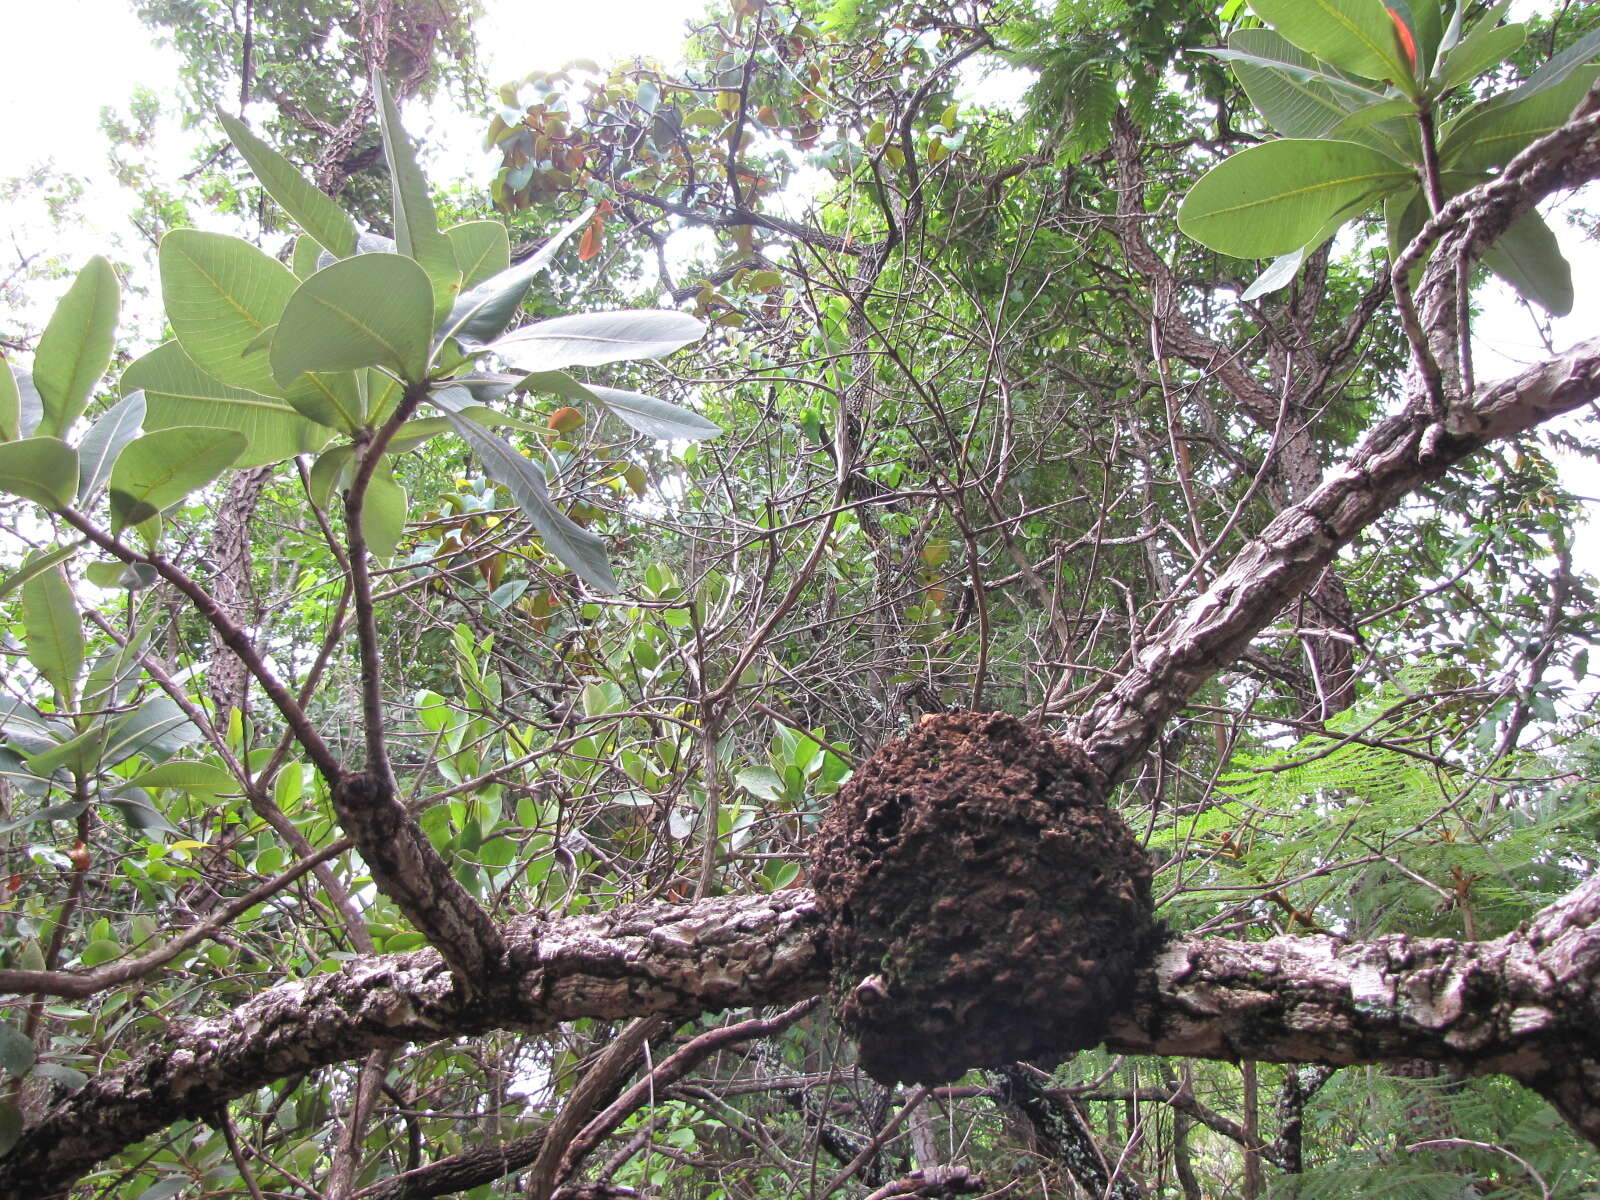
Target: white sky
[51,113]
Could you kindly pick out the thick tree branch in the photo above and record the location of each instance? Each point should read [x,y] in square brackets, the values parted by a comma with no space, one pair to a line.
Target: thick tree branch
[414,875]
[1400,454]
[1526,1005]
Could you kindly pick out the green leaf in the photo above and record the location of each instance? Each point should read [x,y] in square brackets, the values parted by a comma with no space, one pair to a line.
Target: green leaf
[330,398]
[1279,275]
[1283,268]
[1489,136]
[24,728]
[370,310]
[1354,35]
[41,469]
[305,260]
[16,1050]
[592,339]
[33,565]
[53,630]
[10,404]
[1290,89]
[114,672]
[136,811]
[762,782]
[157,729]
[178,393]
[306,205]
[1273,198]
[161,468]
[655,418]
[31,407]
[576,547]
[1528,257]
[1484,47]
[382,394]
[81,755]
[483,250]
[221,293]
[482,313]
[117,426]
[187,775]
[416,224]
[328,473]
[131,576]
[383,514]
[75,348]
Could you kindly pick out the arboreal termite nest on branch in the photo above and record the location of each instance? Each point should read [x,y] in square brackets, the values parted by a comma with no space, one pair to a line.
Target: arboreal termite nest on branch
[983,903]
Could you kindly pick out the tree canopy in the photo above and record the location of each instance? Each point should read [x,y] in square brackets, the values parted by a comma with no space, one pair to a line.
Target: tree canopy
[838,629]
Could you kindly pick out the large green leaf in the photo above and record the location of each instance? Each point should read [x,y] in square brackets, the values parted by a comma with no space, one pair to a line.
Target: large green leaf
[117,426]
[179,393]
[331,398]
[41,469]
[383,514]
[306,258]
[161,468]
[220,293]
[575,546]
[1291,90]
[1490,136]
[591,339]
[370,310]
[33,565]
[1528,257]
[75,348]
[1486,46]
[187,775]
[1273,198]
[655,418]
[307,206]
[24,728]
[31,407]
[482,313]
[483,250]
[1354,35]
[10,404]
[52,630]
[157,729]
[416,224]
[114,672]
[16,1052]
[80,755]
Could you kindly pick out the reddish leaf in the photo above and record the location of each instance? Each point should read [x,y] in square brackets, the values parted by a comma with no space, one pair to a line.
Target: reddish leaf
[1407,42]
[565,420]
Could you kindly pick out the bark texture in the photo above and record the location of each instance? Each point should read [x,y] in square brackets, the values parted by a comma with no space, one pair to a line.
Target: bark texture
[1526,1005]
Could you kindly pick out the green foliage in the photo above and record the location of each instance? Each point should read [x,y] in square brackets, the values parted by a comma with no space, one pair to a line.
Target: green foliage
[1359,93]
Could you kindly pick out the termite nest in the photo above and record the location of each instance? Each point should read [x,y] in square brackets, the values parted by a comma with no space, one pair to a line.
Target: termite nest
[983,904]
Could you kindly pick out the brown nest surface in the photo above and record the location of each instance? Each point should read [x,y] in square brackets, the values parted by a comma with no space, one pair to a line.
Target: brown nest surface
[983,903]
